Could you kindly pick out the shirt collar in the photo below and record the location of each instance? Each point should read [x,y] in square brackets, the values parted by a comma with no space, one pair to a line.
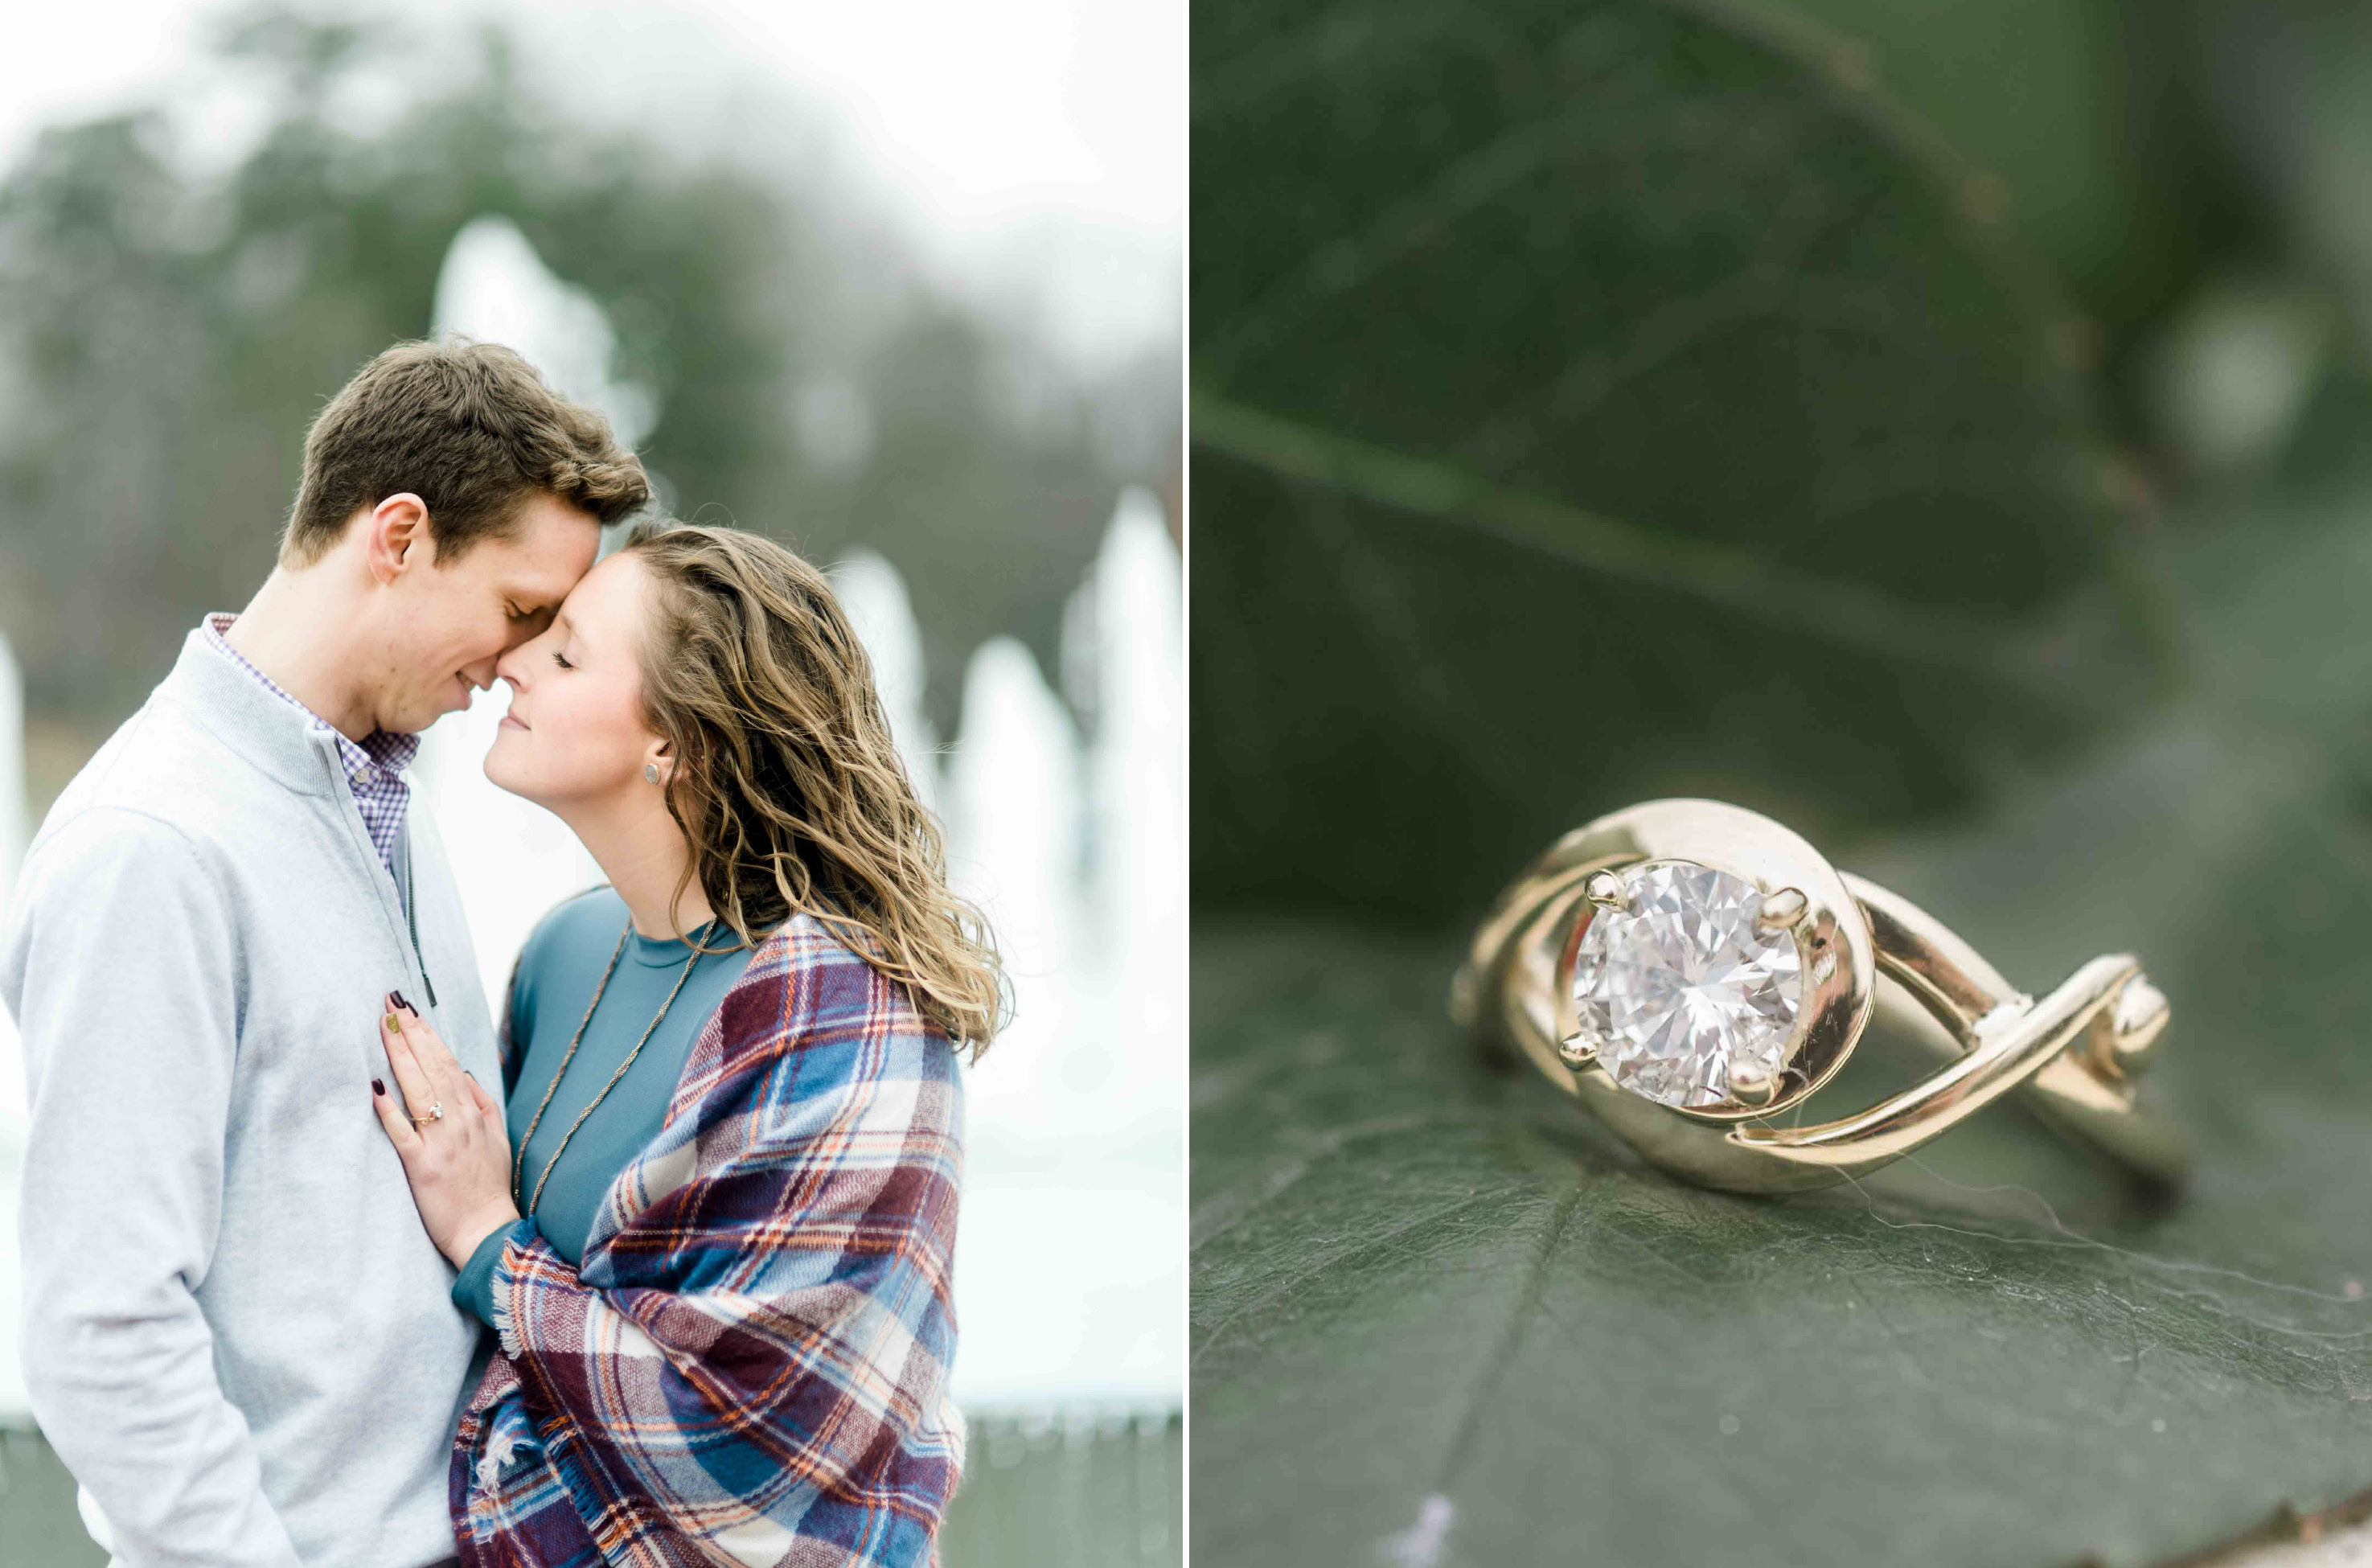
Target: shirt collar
[380,751]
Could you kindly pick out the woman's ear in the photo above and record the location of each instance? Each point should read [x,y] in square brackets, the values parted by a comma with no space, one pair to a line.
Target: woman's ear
[658,764]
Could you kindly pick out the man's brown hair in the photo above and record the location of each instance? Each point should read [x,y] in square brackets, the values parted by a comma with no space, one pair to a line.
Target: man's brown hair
[470,429]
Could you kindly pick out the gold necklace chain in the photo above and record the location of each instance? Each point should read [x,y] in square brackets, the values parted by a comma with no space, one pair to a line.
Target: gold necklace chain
[518,1162]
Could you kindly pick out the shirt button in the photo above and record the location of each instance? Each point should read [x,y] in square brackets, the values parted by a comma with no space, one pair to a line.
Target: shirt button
[365,775]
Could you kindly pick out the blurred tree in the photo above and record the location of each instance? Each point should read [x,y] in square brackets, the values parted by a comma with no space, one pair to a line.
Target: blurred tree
[166,334]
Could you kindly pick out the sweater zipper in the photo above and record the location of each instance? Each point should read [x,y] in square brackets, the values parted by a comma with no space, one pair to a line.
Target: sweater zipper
[412,917]
[407,889]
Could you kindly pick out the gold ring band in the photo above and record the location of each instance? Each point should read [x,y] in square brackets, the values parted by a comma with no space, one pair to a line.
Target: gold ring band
[436,1113]
[1858,949]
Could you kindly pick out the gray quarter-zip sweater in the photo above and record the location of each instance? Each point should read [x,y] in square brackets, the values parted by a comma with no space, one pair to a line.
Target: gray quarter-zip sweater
[238,1335]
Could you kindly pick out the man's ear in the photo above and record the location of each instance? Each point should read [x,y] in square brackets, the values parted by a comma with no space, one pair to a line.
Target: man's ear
[395,535]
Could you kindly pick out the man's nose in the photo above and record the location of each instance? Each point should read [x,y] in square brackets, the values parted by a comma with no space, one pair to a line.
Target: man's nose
[508,666]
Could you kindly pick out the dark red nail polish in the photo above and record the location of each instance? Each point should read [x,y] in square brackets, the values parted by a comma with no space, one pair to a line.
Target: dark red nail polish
[377,1087]
[402,1005]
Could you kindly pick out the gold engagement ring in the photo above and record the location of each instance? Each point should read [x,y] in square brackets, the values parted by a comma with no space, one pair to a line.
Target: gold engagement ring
[1690,971]
[436,1113]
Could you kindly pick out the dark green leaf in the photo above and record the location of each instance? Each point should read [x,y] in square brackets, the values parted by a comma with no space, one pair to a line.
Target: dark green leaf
[2063,107]
[1599,401]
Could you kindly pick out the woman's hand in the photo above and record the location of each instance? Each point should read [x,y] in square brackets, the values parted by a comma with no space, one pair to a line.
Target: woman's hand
[458,1163]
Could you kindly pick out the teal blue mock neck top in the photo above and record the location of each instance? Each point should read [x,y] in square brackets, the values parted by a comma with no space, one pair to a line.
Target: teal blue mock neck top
[558,970]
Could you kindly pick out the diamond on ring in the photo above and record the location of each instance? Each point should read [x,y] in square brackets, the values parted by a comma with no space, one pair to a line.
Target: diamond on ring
[1684,990]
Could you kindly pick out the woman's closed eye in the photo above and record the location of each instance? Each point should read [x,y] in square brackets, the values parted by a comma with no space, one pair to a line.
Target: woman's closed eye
[561,659]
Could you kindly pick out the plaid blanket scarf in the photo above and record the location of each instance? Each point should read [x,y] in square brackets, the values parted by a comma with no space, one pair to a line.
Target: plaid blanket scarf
[749,1367]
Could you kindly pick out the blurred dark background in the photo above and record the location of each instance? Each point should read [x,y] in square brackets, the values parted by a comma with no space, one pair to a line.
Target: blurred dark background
[1821,437]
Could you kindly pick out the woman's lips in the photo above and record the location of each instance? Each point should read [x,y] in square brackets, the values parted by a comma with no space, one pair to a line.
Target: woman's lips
[510,723]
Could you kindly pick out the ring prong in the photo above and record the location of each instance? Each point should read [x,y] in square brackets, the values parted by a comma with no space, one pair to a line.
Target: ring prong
[1577,1051]
[1605,890]
[1781,910]
[2125,1037]
[1751,1085]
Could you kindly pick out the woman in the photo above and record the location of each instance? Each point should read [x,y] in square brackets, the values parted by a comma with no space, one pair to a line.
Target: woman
[717,1263]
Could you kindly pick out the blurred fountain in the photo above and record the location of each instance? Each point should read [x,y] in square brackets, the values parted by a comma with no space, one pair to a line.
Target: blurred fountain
[15,830]
[1131,619]
[873,597]
[1070,1277]
[14,826]
[1014,849]
[512,859]
[494,287]
[16,1409]
[1027,1245]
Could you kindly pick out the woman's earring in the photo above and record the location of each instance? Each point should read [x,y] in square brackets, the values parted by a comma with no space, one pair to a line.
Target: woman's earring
[650,773]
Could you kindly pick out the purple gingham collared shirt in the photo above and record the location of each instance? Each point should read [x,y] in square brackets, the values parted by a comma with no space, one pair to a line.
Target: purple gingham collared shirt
[374,766]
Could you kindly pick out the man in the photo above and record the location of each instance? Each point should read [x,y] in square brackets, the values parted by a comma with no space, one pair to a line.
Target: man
[238,1335]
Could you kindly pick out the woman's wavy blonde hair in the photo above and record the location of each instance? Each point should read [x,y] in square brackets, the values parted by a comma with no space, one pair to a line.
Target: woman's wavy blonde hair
[786,783]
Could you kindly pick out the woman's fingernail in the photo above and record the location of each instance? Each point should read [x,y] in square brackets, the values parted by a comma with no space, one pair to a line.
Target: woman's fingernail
[377,1087]
[392,1024]
[400,1005]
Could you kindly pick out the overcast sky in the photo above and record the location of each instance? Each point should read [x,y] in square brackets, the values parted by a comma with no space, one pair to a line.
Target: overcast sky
[994,126]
